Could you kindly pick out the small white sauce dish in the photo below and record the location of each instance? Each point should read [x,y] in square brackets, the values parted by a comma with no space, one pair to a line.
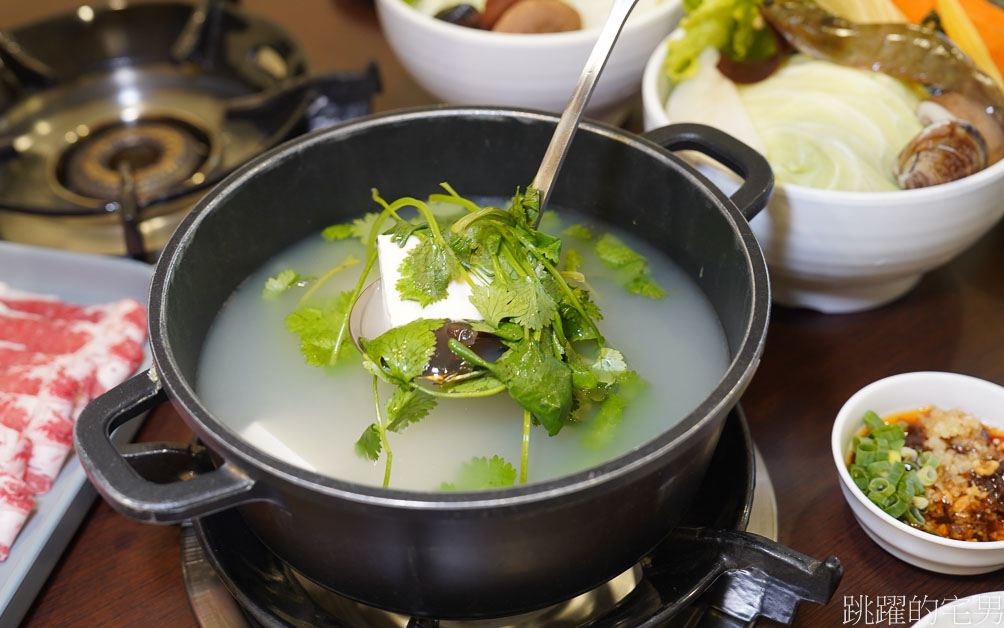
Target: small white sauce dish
[839,251]
[900,393]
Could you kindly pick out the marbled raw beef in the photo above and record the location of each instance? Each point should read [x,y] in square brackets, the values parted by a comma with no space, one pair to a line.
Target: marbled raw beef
[15,449]
[15,506]
[54,358]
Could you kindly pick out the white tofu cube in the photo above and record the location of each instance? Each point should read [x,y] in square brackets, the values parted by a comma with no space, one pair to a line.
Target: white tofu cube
[259,436]
[456,306]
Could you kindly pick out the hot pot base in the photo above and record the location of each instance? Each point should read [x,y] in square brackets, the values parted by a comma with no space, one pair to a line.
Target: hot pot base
[233,580]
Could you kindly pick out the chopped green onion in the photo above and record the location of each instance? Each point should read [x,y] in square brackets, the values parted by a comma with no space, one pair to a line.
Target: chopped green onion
[914,516]
[889,473]
[859,475]
[879,468]
[864,444]
[928,459]
[865,457]
[896,473]
[872,421]
[880,486]
[928,475]
[896,509]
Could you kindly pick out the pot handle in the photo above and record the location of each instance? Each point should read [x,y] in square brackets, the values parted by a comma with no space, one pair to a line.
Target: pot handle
[758,178]
[745,575]
[113,474]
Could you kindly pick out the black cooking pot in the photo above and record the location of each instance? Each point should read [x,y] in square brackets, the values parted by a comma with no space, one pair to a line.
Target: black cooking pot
[449,555]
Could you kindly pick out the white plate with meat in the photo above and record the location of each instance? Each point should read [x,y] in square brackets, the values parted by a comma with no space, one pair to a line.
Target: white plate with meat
[29,339]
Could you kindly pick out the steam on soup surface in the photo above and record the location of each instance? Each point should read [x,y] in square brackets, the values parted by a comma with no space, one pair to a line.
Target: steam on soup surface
[253,377]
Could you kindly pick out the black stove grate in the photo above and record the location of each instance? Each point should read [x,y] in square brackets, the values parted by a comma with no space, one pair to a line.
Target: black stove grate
[106,144]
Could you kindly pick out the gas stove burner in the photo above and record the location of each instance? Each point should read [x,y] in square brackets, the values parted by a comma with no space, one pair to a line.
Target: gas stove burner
[712,576]
[105,145]
[159,156]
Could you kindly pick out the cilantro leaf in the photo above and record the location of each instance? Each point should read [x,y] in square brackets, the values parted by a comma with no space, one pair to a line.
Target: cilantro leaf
[407,406]
[361,227]
[632,265]
[609,365]
[584,380]
[319,328]
[358,228]
[403,353]
[573,323]
[540,307]
[573,260]
[337,232]
[631,385]
[538,382]
[496,301]
[427,271]
[612,400]
[615,254]
[581,232]
[603,426]
[404,230]
[369,446]
[274,286]
[547,246]
[487,242]
[481,473]
[643,285]
[525,207]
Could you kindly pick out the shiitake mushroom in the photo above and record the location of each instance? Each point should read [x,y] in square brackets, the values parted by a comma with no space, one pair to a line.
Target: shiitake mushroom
[462,15]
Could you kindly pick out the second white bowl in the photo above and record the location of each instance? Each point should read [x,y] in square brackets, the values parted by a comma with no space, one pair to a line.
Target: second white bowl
[469,66]
[836,251]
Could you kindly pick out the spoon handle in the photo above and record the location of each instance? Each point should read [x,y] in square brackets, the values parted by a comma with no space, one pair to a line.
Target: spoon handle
[569,121]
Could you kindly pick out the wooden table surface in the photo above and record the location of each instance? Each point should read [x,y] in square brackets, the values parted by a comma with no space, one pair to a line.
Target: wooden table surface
[117,572]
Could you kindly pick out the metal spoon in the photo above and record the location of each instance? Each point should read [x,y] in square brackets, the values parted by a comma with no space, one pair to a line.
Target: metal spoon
[364,317]
[568,124]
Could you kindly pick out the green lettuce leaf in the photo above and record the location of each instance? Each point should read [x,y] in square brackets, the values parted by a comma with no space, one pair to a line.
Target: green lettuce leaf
[732,26]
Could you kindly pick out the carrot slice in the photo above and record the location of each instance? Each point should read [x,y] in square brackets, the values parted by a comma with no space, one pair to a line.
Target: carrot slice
[961,30]
[989,21]
[915,10]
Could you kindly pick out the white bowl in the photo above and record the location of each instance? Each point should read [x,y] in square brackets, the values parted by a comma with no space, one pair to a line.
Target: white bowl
[837,251]
[469,66]
[905,392]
